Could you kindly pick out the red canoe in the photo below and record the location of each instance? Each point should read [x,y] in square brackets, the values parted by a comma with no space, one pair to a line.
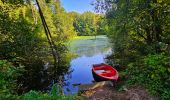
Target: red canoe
[104,72]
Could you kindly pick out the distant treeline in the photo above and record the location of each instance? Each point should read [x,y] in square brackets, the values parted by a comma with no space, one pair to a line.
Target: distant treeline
[88,23]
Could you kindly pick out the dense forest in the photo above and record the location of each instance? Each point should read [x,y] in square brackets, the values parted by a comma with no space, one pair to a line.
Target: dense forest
[89,24]
[25,48]
[140,32]
[30,39]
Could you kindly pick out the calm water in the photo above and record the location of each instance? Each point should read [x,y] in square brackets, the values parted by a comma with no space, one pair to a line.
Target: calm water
[89,51]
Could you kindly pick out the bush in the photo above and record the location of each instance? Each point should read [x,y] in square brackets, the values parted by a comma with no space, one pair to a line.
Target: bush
[54,95]
[8,77]
[153,73]
[8,86]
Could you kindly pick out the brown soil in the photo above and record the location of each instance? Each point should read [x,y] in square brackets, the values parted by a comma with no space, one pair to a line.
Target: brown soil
[109,93]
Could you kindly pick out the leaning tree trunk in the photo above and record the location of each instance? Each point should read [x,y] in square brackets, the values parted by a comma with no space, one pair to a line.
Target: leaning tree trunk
[48,35]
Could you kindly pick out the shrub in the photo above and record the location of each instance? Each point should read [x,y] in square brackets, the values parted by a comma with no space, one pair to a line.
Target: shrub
[8,85]
[54,95]
[153,73]
[8,77]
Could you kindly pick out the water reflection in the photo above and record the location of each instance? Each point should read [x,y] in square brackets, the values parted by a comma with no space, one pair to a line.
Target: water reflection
[40,75]
[89,51]
[89,47]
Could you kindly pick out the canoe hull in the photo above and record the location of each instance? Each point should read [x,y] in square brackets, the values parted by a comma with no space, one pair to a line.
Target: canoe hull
[99,78]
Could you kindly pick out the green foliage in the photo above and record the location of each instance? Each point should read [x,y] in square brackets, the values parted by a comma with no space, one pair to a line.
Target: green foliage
[152,73]
[64,27]
[8,79]
[33,95]
[102,26]
[22,42]
[19,37]
[13,2]
[140,33]
[88,24]
[8,85]
[137,25]
[55,95]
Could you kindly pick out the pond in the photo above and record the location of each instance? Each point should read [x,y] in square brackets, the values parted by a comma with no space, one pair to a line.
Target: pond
[89,51]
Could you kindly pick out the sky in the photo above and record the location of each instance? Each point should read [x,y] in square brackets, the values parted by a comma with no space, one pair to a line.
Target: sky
[77,5]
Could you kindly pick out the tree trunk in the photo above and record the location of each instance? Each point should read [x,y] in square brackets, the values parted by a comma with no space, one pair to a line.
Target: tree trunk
[49,36]
[148,36]
[157,27]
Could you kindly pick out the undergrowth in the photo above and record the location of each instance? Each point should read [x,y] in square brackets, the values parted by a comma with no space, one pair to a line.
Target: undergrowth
[151,72]
[8,86]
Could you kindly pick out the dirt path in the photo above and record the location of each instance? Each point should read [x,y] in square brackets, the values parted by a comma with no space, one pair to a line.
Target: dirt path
[109,93]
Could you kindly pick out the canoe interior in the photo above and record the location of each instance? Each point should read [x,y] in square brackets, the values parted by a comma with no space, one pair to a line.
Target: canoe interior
[103,72]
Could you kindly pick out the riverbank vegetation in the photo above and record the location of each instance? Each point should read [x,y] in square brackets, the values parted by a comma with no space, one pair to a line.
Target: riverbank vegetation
[140,32]
[26,61]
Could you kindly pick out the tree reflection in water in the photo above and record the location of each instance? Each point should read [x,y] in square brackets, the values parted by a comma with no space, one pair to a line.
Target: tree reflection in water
[40,77]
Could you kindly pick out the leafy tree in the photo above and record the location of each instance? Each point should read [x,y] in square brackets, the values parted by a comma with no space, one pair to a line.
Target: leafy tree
[23,41]
[139,31]
[87,23]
